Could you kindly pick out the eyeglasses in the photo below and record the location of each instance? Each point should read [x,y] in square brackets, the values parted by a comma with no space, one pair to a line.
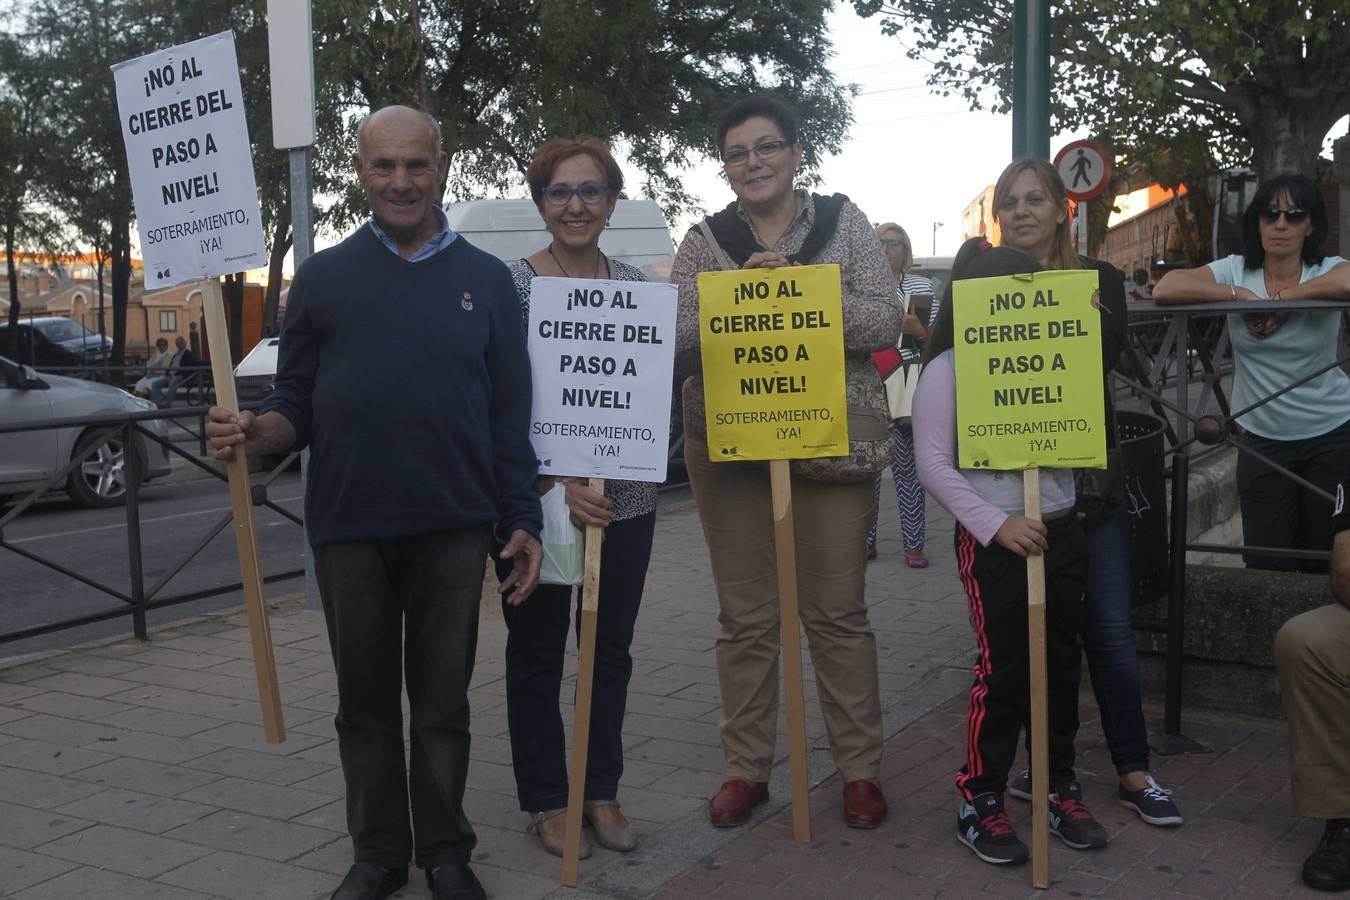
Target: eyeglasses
[892,242]
[561,194]
[1294,216]
[737,156]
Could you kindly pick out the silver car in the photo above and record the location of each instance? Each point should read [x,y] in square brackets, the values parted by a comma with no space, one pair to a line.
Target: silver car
[30,458]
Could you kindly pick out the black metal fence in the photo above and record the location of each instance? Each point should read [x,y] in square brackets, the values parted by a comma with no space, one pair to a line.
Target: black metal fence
[1161,355]
[139,596]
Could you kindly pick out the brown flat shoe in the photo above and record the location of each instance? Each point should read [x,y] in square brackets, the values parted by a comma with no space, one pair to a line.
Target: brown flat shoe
[612,835]
[733,802]
[550,827]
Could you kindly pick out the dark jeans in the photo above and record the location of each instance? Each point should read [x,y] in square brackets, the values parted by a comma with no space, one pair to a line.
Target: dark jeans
[1278,513]
[995,580]
[1108,641]
[535,647]
[395,608]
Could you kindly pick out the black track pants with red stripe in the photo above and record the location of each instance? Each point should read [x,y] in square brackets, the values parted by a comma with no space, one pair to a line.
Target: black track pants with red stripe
[995,580]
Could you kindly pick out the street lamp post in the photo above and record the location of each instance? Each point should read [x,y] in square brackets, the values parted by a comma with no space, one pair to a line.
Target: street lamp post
[936,226]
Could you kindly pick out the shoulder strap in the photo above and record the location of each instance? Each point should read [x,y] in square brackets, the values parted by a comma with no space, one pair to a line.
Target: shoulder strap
[722,259]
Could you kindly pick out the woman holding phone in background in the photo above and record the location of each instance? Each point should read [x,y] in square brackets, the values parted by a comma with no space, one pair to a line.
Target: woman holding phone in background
[908,492]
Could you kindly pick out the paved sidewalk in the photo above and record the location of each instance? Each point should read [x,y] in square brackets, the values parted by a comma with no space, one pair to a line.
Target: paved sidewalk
[1241,838]
[138,769]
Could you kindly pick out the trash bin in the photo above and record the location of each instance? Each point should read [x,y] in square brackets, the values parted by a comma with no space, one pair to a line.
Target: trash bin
[1141,452]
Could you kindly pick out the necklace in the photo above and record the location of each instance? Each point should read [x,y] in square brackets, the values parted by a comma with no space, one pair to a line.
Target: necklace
[1277,283]
[594,274]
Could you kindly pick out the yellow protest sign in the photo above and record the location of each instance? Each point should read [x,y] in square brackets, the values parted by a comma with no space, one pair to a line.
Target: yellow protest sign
[1029,372]
[773,362]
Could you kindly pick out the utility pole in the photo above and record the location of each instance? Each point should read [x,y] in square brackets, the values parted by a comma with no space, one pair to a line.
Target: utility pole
[1031,79]
[290,51]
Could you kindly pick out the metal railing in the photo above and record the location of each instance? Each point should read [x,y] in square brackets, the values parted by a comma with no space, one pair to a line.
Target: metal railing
[139,597]
[1212,352]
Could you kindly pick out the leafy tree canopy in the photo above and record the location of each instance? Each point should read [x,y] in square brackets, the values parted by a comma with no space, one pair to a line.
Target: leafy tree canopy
[502,76]
[1178,85]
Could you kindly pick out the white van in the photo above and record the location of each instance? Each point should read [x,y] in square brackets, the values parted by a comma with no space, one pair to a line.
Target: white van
[511,229]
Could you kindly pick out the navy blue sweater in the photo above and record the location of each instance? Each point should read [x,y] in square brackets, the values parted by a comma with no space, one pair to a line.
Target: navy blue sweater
[410,383]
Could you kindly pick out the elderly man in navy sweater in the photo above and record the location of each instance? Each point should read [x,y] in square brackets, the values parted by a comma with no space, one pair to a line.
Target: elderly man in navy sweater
[403,368]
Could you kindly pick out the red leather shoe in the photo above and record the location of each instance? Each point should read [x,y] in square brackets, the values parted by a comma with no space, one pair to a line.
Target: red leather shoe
[732,803]
[864,804]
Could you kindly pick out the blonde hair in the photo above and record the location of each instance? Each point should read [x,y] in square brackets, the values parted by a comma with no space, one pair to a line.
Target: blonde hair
[1063,254]
[904,236]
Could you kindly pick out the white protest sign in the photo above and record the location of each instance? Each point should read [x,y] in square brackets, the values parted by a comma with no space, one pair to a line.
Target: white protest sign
[602,354]
[191,169]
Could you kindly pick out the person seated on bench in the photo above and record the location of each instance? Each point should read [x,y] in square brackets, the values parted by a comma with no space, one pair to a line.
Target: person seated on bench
[158,363]
[164,388]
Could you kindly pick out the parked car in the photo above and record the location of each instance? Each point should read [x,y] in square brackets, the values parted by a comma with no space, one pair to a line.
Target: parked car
[30,458]
[55,342]
[937,269]
[256,373]
[637,234]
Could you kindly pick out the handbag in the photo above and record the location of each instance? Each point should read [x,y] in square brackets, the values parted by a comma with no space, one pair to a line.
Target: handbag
[564,559]
[900,380]
[869,433]
[1100,492]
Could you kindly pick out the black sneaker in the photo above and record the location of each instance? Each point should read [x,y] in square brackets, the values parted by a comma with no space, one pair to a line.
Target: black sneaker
[1071,821]
[1328,869]
[982,825]
[1021,786]
[1153,802]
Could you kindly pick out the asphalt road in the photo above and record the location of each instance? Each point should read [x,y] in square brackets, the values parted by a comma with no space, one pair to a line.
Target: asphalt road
[174,519]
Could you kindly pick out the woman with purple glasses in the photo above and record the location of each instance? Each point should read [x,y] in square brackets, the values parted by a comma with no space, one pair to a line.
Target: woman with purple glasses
[1307,429]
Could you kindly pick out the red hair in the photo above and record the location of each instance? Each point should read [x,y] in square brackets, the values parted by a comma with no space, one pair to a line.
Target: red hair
[553,152]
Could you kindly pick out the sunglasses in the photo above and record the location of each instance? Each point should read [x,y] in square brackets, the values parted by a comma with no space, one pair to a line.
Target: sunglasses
[892,242]
[1295,216]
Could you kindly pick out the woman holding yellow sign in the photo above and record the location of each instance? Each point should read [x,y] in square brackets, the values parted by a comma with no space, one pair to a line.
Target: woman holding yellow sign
[1033,216]
[993,538]
[768,226]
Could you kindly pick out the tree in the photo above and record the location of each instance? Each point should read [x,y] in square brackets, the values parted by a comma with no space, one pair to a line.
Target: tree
[247,19]
[501,76]
[1178,85]
[77,42]
[24,150]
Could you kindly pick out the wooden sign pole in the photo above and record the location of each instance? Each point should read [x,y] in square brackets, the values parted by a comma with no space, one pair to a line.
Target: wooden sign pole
[245,534]
[581,726]
[785,548]
[1040,765]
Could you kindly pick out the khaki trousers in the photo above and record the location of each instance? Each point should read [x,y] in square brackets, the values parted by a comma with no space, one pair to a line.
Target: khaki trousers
[830,523]
[1312,656]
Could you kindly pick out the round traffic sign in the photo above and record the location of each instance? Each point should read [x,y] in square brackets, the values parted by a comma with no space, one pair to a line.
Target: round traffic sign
[1085,167]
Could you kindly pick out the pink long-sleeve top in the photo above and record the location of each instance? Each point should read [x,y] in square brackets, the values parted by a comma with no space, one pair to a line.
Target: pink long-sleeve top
[980,499]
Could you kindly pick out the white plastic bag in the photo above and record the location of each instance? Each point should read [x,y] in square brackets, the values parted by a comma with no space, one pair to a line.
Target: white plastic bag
[564,550]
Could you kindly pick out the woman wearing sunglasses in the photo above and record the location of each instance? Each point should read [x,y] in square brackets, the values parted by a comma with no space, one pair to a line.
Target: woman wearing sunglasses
[575,183]
[1306,429]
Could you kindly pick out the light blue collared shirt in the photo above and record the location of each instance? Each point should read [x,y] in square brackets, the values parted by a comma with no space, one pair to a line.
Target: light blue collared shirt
[438,242]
